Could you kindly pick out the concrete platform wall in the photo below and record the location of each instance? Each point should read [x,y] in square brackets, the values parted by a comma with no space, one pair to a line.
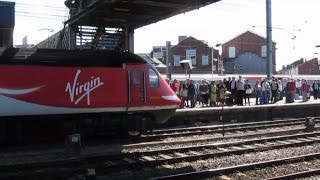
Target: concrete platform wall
[245,114]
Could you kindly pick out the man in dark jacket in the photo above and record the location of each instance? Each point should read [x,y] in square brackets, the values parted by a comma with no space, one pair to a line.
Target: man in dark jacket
[191,93]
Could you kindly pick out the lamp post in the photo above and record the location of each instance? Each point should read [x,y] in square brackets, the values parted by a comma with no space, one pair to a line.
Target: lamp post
[212,58]
[212,64]
[49,31]
[269,39]
[220,61]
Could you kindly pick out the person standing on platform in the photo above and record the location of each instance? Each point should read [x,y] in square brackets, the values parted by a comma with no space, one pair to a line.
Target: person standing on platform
[304,90]
[315,88]
[265,87]
[204,93]
[290,91]
[240,91]
[183,93]
[298,84]
[192,93]
[248,91]
[228,84]
[187,98]
[175,86]
[233,88]
[225,82]
[221,93]
[318,89]
[197,92]
[213,94]
[257,90]
[274,90]
[280,90]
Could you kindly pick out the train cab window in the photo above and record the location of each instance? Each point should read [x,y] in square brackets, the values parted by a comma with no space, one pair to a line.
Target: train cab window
[136,77]
[153,79]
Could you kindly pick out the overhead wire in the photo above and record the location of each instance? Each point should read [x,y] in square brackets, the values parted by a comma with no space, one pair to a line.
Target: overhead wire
[30,16]
[228,6]
[39,14]
[55,8]
[24,10]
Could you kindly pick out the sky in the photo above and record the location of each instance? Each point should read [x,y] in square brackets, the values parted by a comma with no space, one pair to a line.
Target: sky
[295,25]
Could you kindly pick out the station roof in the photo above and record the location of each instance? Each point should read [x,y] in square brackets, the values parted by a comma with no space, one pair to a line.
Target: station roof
[132,13]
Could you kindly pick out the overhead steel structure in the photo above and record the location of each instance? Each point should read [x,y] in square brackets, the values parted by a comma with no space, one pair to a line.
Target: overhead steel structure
[111,23]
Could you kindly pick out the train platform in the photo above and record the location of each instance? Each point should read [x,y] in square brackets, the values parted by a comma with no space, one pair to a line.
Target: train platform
[252,112]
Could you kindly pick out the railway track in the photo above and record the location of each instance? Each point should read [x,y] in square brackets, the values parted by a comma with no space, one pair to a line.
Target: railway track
[220,129]
[214,173]
[104,164]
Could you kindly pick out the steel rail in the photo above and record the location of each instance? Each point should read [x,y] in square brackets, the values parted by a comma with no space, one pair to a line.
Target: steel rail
[111,163]
[173,130]
[218,129]
[244,167]
[297,175]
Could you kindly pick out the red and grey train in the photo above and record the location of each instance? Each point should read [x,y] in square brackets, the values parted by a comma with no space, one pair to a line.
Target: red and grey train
[105,84]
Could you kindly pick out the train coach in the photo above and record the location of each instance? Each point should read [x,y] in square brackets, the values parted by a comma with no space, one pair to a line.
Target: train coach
[90,88]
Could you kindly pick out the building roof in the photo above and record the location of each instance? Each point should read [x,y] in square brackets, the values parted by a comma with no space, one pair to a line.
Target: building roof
[191,38]
[250,32]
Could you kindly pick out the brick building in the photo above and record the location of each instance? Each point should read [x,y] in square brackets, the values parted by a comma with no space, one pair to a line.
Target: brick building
[200,54]
[309,67]
[291,69]
[246,54]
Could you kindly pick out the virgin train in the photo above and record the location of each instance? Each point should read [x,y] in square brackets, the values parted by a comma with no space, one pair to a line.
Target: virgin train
[106,84]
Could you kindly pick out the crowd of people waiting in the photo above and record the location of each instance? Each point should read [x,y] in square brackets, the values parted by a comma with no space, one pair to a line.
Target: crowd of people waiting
[239,91]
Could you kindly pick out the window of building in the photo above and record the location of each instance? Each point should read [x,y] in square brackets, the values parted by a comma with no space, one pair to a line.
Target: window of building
[205,60]
[191,54]
[264,51]
[176,60]
[153,79]
[232,52]
[156,49]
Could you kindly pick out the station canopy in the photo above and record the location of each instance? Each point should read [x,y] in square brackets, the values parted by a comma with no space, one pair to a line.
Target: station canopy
[129,13]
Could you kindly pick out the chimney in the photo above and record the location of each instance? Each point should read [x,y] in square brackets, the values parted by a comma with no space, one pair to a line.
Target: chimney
[181,38]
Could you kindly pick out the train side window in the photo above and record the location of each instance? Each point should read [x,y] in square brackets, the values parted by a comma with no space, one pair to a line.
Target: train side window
[136,78]
[153,79]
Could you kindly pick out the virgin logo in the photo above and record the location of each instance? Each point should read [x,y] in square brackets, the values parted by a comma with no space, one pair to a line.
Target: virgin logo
[79,91]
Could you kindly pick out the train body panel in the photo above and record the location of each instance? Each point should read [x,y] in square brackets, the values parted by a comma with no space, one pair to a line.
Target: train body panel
[67,82]
[60,89]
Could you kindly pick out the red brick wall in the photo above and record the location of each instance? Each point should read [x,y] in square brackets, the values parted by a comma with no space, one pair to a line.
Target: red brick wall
[201,49]
[309,67]
[246,42]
